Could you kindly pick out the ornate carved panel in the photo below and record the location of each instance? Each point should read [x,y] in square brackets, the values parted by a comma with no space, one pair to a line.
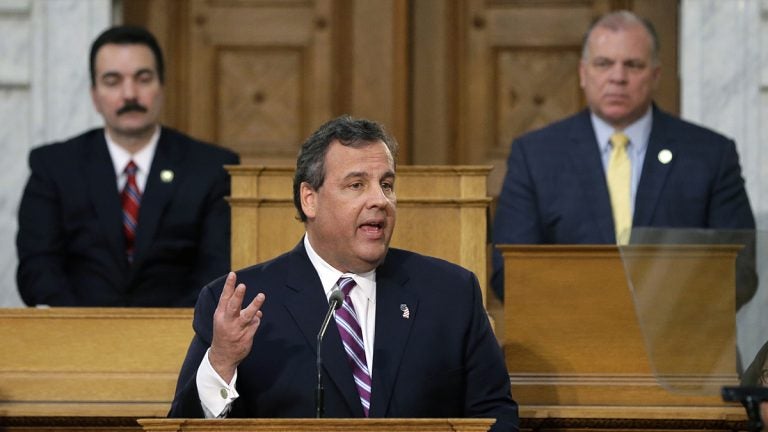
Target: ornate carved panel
[259,101]
[534,88]
[521,73]
[258,74]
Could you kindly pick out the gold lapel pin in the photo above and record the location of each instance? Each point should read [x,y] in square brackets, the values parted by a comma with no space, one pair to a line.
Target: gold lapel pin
[166,176]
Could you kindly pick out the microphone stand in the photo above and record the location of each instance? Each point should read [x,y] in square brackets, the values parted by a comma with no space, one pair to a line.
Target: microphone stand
[334,302]
[750,397]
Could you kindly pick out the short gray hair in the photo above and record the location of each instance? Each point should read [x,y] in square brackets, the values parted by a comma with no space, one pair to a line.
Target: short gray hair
[620,20]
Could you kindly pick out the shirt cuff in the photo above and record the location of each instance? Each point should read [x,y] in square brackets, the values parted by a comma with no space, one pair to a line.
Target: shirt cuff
[216,396]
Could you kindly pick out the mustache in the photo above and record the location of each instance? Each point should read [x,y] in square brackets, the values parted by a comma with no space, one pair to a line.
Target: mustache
[131,106]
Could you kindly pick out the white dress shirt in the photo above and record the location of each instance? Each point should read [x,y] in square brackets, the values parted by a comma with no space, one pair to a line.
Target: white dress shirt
[216,395]
[142,159]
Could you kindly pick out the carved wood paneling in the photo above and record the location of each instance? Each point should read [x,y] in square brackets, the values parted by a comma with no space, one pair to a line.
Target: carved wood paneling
[454,82]
[520,73]
[258,74]
[259,101]
[533,88]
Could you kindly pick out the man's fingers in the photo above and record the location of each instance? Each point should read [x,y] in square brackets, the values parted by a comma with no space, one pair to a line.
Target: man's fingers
[254,309]
[235,302]
[231,301]
[257,301]
[229,289]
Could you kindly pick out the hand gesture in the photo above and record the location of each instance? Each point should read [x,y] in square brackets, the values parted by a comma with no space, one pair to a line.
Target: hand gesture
[233,328]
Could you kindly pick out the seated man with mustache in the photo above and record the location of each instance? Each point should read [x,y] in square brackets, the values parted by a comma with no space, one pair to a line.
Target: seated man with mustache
[132,214]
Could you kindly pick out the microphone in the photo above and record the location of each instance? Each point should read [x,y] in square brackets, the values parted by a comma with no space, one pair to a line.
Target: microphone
[751,398]
[334,302]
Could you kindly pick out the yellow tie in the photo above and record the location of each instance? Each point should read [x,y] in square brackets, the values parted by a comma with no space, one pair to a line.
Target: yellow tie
[619,178]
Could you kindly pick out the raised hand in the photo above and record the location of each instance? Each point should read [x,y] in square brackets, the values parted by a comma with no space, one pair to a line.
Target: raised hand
[233,328]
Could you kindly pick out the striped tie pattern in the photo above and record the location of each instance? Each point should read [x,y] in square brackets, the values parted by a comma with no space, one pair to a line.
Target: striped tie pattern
[619,186]
[352,337]
[131,199]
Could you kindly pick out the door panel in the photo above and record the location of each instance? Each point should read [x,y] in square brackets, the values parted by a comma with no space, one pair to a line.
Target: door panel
[257,72]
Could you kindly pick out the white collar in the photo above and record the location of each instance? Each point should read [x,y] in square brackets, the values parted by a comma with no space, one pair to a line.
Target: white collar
[329,275]
[142,158]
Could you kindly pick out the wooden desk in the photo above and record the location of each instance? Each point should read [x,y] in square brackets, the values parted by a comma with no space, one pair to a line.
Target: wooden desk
[93,362]
[577,356]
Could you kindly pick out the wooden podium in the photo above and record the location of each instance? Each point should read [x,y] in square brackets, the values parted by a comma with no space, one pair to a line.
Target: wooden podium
[576,348]
[441,211]
[317,425]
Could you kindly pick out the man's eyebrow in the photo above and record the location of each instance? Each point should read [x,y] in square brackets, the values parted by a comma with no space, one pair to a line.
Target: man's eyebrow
[363,174]
[109,74]
[354,174]
[141,71]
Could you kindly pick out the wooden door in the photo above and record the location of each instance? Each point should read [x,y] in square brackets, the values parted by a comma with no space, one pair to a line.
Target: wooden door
[258,76]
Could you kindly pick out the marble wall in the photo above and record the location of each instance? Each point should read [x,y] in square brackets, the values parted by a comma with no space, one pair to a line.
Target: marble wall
[724,85]
[44,96]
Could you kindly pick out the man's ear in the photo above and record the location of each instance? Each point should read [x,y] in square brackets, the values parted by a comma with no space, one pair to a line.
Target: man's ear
[582,74]
[308,199]
[95,101]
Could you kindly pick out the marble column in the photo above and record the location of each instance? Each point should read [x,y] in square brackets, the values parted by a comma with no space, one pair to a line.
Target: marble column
[724,86]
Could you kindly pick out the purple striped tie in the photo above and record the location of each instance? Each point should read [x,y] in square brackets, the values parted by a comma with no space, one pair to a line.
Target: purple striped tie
[131,199]
[352,336]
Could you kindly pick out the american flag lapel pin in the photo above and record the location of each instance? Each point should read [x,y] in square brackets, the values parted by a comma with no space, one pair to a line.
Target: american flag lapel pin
[406,311]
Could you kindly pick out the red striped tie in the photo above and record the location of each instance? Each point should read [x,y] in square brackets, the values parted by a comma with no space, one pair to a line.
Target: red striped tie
[131,198]
[352,337]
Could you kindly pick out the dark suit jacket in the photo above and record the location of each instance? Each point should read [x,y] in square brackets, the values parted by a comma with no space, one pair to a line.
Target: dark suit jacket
[70,241]
[555,189]
[443,361]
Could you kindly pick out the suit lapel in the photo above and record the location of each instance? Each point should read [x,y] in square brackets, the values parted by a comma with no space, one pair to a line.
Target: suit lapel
[393,295]
[655,173]
[158,191]
[102,188]
[307,304]
[585,156]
